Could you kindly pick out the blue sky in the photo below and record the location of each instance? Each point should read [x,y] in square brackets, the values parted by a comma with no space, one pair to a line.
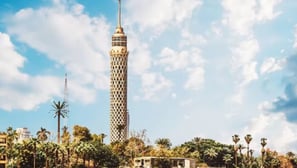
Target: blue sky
[196,68]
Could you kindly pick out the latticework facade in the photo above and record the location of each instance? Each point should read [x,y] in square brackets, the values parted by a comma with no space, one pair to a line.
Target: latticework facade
[118,85]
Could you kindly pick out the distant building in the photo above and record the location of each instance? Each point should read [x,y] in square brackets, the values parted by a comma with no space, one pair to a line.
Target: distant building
[155,162]
[3,144]
[23,134]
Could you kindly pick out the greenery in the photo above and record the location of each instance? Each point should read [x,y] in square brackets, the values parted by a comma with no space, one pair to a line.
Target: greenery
[82,149]
[87,150]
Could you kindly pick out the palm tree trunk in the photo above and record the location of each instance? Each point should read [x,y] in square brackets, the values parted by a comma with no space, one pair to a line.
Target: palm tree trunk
[62,159]
[34,159]
[76,160]
[57,158]
[68,157]
[235,157]
[59,128]
[84,160]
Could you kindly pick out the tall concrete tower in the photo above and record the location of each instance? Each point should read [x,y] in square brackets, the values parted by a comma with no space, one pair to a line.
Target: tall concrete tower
[118,83]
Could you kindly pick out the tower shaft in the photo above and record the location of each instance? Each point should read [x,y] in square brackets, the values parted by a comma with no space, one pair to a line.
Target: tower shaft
[118,84]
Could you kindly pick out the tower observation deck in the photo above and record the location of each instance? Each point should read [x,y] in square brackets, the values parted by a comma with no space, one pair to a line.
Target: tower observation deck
[118,83]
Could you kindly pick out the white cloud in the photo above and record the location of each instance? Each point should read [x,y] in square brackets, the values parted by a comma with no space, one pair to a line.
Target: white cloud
[271,65]
[173,60]
[283,137]
[244,64]
[195,79]
[215,28]
[295,36]
[10,61]
[242,15]
[243,59]
[249,73]
[237,97]
[266,9]
[158,15]
[190,39]
[153,84]
[239,15]
[20,90]
[189,61]
[265,106]
[67,36]
[139,55]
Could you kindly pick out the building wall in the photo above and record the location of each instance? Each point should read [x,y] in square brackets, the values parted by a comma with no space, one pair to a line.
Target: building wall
[3,143]
[153,162]
[23,133]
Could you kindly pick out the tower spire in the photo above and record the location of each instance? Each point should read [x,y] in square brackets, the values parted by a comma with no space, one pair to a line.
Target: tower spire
[119,15]
[66,100]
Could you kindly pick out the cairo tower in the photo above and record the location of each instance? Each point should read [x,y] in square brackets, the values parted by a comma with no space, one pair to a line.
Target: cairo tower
[118,83]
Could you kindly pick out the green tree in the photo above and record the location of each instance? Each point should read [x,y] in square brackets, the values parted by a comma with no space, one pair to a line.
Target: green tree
[292,158]
[12,136]
[66,144]
[163,143]
[65,136]
[47,151]
[33,144]
[119,149]
[60,110]
[271,160]
[81,133]
[104,157]
[134,148]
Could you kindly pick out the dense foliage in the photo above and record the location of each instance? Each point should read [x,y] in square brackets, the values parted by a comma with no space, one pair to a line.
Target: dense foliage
[83,149]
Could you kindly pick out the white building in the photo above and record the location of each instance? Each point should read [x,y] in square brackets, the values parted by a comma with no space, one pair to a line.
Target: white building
[154,162]
[23,134]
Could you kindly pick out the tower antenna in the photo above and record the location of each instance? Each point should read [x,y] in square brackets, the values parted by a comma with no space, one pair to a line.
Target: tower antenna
[119,14]
[66,99]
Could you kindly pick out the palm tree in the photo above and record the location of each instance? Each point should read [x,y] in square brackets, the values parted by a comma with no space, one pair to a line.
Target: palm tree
[120,129]
[65,136]
[240,148]
[102,136]
[42,134]
[235,139]
[18,148]
[163,143]
[227,159]
[248,138]
[33,144]
[60,110]
[46,148]
[12,136]
[2,152]
[211,153]
[263,144]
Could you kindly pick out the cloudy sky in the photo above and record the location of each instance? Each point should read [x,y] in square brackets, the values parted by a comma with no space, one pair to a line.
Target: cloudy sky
[197,68]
